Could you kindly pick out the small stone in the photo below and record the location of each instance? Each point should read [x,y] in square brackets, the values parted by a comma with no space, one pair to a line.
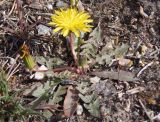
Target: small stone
[42,68]
[11,61]
[79,110]
[43,30]
[94,80]
[39,75]
[61,4]
[50,7]
[125,62]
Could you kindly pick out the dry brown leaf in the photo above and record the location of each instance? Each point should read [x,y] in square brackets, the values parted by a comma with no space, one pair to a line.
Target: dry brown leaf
[70,102]
[120,75]
[47,106]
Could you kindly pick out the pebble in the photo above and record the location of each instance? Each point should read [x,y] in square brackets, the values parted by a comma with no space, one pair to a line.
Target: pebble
[79,110]
[43,30]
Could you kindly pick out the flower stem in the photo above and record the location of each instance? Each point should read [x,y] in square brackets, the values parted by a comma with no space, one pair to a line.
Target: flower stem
[71,43]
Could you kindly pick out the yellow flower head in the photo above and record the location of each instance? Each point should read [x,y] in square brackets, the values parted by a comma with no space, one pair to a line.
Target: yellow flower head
[71,20]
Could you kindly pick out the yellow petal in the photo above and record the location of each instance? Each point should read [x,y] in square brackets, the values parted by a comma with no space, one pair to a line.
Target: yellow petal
[88,20]
[57,29]
[76,32]
[65,33]
[89,26]
[86,29]
[58,12]
[51,23]
[52,17]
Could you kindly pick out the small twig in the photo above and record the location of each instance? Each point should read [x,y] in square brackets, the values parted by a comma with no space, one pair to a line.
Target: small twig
[13,6]
[157,116]
[9,21]
[135,90]
[141,11]
[137,47]
[4,64]
[145,110]
[115,27]
[144,68]
[13,71]
[11,68]
[154,52]
[43,14]
[5,57]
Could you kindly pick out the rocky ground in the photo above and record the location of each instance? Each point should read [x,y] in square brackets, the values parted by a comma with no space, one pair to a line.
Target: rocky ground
[122,78]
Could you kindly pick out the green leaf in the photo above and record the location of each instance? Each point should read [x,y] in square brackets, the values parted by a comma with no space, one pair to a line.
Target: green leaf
[120,51]
[41,89]
[47,114]
[83,87]
[57,96]
[90,47]
[106,58]
[94,108]
[86,98]
[44,94]
[49,62]
[83,61]
[96,35]
[3,83]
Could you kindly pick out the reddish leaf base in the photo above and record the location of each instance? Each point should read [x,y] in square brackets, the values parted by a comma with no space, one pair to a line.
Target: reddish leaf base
[71,69]
[61,69]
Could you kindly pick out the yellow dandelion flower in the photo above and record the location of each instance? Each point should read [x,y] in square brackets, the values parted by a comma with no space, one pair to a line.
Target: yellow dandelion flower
[71,20]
